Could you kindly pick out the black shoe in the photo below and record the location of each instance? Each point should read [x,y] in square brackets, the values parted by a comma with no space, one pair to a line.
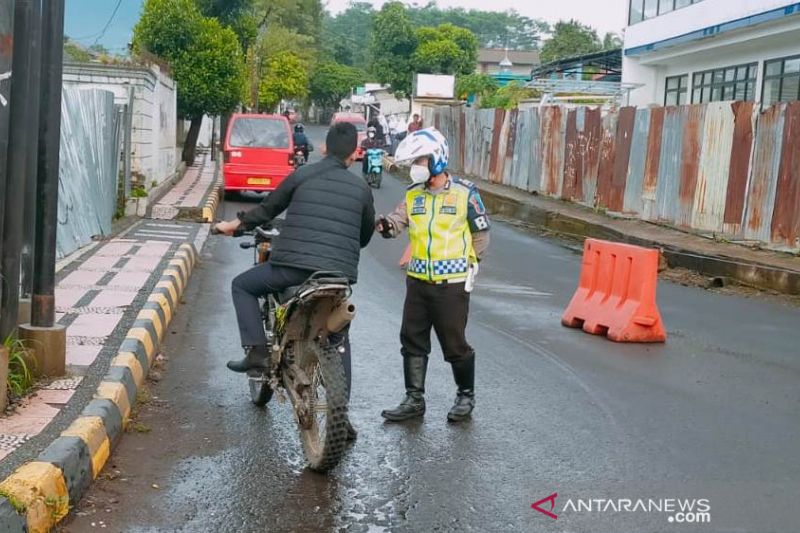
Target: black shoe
[255,358]
[464,375]
[413,406]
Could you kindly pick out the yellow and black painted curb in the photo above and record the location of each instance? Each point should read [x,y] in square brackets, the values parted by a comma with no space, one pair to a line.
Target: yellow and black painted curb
[212,202]
[36,496]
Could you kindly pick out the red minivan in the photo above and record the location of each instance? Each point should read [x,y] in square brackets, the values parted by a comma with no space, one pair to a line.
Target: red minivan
[259,152]
[359,122]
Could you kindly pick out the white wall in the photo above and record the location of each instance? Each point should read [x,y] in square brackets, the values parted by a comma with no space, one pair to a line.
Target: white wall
[154,154]
[754,44]
[695,17]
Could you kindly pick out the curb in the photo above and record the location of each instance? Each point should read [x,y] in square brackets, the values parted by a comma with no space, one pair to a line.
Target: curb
[750,273]
[212,202]
[39,494]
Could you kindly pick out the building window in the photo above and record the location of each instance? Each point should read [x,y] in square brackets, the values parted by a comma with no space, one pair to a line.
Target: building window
[781,80]
[676,92]
[640,10]
[722,84]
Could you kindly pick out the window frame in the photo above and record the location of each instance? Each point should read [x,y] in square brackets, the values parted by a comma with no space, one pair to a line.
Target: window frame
[683,88]
[641,4]
[715,81]
[780,77]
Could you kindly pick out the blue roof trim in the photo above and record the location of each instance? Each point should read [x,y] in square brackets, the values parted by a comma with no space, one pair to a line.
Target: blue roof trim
[752,20]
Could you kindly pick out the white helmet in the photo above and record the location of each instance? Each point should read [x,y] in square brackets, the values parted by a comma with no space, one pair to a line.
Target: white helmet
[427,142]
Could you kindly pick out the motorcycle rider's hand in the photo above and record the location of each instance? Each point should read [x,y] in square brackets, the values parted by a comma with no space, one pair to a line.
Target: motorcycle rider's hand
[228,227]
[384,227]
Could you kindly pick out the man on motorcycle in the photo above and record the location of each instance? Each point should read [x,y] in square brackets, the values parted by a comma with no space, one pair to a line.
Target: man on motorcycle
[449,233]
[300,140]
[329,218]
[373,140]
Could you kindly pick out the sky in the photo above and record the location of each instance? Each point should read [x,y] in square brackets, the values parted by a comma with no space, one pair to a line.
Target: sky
[604,15]
[85,19]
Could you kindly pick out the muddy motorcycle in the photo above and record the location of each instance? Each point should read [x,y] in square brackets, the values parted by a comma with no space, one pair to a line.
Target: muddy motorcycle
[303,326]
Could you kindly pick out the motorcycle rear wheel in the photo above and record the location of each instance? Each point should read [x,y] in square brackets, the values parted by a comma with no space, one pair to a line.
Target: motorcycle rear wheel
[325,441]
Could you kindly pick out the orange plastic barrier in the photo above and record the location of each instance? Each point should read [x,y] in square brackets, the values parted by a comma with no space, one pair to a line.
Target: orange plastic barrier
[616,293]
[406,257]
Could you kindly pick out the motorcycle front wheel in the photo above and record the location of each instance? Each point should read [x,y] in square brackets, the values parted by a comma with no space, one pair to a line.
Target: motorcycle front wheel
[324,435]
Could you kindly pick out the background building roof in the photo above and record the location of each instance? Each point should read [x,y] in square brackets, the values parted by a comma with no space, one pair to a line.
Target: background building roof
[517,57]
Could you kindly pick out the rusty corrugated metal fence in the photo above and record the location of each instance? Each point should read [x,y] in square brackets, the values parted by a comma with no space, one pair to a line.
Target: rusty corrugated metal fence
[722,168]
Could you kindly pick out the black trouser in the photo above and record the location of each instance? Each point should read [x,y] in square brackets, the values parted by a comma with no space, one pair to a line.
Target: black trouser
[259,281]
[444,308]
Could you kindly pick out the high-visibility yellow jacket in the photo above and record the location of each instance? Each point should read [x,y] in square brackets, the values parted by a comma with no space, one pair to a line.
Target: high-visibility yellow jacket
[441,228]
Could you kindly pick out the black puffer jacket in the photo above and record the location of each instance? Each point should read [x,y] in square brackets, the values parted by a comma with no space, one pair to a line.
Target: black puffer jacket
[330,216]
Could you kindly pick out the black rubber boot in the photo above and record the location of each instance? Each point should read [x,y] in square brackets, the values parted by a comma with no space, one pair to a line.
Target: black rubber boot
[413,406]
[255,358]
[464,375]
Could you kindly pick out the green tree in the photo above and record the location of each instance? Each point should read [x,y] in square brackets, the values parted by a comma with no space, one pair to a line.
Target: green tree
[285,78]
[570,39]
[478,84]
[612,41]
[343,35]
[238,15]
[509,96]
[331,82]
[445,49]
[392,44]
[75,52]
[205,57]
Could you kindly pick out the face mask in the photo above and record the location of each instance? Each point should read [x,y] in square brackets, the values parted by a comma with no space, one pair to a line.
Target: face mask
[371,135]
[420,173]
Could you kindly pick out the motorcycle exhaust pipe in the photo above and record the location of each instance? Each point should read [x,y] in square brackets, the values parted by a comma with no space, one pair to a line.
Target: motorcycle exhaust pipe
[341,316]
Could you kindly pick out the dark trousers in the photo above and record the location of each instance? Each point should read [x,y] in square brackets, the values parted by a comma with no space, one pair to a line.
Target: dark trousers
[442,307]
[264,279]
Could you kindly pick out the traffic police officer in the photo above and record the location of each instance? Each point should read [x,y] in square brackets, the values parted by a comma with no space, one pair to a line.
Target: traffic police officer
[449,233]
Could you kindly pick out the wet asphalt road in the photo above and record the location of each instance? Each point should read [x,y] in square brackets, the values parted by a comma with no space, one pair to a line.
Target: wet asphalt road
[714,413]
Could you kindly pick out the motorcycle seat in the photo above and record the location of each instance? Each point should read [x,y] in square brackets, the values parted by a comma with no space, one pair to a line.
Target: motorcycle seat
[287,294]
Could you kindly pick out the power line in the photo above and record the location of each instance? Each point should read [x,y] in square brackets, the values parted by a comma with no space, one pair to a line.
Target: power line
[110,20]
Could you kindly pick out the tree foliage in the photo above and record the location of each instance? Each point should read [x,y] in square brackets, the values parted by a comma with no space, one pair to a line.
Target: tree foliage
[205,57]
[445,49]
[478,84]
[570,39]
[285,77]
[343,34]
[331,82]
[392,43]
[238,15]
[509,96]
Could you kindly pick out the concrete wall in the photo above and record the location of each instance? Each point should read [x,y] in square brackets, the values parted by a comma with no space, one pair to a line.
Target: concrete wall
[154,151]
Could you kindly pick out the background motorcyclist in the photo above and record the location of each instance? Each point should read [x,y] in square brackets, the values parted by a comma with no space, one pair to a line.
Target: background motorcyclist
[373,140]
[300,140]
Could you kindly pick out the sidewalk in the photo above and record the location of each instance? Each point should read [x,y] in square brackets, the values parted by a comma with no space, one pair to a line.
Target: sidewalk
[195,197]
[758,268]
[116,299]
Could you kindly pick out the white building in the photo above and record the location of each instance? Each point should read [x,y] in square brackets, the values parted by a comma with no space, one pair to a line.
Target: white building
[695,51]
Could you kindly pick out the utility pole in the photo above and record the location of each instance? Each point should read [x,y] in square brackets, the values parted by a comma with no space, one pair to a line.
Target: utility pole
[47,339]
[29,211]
[18,149]
[6,72]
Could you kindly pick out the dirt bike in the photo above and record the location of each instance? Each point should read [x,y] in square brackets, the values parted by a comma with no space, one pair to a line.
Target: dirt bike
[302,324]
[374,167]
